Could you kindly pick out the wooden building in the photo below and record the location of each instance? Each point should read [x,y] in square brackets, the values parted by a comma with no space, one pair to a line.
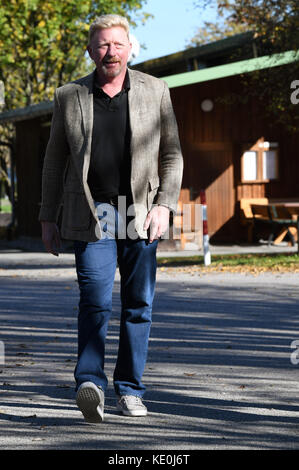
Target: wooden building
[230,150]
[32,126]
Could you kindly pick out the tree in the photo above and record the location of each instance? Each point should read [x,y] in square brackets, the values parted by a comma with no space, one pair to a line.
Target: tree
[273,21]
[43,43]
[275,28]
[211,32]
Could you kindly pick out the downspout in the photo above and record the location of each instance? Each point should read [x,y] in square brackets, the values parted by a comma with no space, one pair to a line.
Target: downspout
[254,50]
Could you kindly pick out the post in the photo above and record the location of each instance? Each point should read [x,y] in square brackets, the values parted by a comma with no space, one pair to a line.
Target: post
[2,95]
[206,245]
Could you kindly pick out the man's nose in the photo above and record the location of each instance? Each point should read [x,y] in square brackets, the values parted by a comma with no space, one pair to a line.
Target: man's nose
[111,51]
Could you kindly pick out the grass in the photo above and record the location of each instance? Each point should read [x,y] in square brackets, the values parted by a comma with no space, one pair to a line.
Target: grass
[5,206]
[238,263]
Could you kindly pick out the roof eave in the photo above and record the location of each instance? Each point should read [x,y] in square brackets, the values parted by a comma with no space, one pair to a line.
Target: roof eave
[29,112]
[228,70]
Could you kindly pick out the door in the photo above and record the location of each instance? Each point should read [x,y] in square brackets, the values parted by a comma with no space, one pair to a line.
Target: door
[209,166]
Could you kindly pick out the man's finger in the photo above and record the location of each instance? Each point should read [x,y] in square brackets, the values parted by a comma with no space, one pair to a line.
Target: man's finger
[50,247]
[153,229]
[51,238]
[57,239]
[147,221]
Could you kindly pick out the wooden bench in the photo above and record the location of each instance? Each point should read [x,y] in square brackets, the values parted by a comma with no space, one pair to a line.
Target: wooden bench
[262,218]
[246,216]
[287,224]
[261,214]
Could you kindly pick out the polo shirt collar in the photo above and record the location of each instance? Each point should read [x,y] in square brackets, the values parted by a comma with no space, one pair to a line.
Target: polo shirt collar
[96,86]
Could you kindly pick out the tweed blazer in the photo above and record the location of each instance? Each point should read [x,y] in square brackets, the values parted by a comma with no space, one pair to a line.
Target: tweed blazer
[156,159]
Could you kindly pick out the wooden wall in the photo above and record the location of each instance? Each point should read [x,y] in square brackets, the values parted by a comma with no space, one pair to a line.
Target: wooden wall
[212,145]
[31,141]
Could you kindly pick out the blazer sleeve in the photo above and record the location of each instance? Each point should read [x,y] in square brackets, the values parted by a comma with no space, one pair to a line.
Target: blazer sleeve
[54,167]
[170,158]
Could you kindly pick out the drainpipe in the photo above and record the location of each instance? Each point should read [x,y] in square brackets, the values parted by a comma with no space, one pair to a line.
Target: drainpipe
[12,187]
[254,50]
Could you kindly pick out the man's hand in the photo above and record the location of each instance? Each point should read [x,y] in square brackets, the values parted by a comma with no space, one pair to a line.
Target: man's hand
[51,237]
[157,220]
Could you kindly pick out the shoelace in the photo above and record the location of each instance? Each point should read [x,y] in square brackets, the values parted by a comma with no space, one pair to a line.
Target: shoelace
[132,400]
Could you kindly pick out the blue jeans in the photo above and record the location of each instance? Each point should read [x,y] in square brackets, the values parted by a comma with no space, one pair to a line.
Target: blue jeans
[96,264]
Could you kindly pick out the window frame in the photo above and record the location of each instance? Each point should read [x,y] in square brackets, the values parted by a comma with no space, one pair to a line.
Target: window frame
[260,147]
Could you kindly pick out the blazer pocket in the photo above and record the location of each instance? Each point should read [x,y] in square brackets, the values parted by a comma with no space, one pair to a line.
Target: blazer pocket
[153,186]
[76,211]
[154,183]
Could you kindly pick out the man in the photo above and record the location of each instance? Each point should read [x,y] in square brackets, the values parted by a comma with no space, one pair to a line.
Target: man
[113,136]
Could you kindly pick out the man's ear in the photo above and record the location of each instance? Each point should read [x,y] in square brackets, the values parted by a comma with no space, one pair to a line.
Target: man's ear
[89,50]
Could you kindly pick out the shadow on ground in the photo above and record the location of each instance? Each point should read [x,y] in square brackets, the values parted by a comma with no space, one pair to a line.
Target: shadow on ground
[219,373]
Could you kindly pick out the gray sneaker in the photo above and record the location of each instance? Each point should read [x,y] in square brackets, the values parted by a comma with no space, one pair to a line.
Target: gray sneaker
[90,401]
[130,405]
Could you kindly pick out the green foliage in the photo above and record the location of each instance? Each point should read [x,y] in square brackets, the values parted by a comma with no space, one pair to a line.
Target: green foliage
[211,32]
[274,22]
[275,27]
[43,43]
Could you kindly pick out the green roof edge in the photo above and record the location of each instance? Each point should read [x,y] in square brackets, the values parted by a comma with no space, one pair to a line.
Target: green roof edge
[227,70]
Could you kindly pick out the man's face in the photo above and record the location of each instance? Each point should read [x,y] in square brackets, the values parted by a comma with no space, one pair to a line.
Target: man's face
[110,49]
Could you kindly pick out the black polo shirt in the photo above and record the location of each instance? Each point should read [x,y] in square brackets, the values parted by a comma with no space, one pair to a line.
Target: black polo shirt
[110,163]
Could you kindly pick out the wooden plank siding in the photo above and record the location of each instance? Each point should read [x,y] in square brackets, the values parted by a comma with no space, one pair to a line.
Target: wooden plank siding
[212,144]
[31,141]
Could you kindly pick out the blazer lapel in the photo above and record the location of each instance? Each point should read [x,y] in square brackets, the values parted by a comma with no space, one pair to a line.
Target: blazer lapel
[85,98]
[135,99]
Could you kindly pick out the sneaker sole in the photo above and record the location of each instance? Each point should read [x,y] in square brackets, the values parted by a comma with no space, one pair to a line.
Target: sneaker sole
[131,413]
[90,403]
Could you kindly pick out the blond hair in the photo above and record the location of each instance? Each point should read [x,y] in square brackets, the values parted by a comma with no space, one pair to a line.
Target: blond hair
[108,21]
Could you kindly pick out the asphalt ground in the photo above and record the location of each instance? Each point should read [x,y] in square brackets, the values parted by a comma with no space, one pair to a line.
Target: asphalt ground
[222,370]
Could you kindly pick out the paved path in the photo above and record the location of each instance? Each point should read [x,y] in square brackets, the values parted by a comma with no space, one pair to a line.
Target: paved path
[219,372]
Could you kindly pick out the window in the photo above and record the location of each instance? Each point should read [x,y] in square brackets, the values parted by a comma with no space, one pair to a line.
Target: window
[250,164]
[260,162]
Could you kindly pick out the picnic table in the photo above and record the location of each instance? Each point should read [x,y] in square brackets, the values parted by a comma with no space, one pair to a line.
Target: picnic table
[288,208]
[281,216]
